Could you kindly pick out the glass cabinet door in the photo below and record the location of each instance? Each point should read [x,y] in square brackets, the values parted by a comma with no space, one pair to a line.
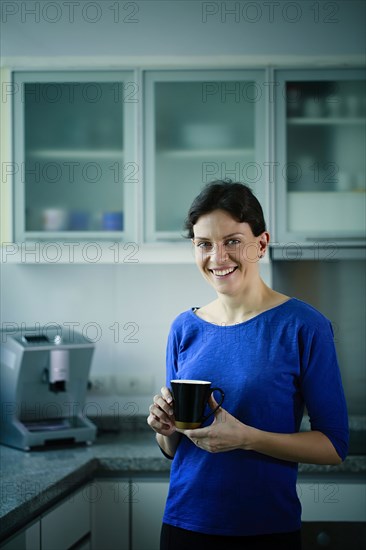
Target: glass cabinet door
[200,126]
[74,149]
[320,156]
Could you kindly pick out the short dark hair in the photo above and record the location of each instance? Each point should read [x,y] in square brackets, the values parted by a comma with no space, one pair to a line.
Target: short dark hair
[234,197]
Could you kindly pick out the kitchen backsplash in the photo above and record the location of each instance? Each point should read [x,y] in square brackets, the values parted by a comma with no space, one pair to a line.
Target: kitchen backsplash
[126,310]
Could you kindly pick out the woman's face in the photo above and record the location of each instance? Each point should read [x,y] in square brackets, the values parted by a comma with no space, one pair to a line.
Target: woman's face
[227,252]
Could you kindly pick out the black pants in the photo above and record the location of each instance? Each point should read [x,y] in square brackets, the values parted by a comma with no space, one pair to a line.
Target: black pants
[174,538]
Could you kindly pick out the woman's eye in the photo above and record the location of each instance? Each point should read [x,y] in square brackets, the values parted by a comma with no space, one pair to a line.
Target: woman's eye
[233,242]
[204,244]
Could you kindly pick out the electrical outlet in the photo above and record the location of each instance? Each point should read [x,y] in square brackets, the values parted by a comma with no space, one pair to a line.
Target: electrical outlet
[121,384]
[133,384]
[100,385]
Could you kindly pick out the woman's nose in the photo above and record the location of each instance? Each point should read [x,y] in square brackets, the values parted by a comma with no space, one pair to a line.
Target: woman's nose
[220,253]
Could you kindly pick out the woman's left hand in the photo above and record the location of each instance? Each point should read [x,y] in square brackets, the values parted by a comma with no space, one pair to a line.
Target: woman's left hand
[226,433]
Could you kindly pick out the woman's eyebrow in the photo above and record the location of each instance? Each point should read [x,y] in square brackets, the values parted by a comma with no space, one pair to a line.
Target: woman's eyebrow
[226,236]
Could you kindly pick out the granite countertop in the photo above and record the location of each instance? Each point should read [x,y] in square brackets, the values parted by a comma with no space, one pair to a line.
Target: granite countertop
[31,482]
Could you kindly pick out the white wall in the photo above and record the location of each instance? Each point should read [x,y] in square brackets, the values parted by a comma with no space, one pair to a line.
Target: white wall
[154,28]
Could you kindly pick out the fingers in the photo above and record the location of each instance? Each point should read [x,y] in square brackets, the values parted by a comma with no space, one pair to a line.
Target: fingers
[196,434]
[159,421]
[161,418]
[160,427]
[220,413]
[164,401]
[212,402]
[165,392]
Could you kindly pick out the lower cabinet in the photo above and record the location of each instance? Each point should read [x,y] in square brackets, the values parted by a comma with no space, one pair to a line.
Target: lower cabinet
[105,514]
[332,500]
[334,535]
[27,539]
[333,514]
[110,515]
[147,509]
[127,515]
[67,525]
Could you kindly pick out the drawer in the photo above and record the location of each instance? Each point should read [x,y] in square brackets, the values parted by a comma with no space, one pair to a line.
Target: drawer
[325,500]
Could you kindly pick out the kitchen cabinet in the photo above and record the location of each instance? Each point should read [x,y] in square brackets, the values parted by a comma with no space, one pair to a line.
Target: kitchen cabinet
[200,126]
[334,535]
[67,525]
[333,512]
[128,513]
[110,513]
[148,498]
[319,154]
[119,155]
[75,170]
[125,513]
[80,165]
[327,499]
[28,539]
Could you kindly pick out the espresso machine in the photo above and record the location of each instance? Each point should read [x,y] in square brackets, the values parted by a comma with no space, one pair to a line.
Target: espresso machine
[44,377]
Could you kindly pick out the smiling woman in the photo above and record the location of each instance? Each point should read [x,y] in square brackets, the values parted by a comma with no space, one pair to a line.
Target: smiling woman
[228,230]
[227,254]
[233,482]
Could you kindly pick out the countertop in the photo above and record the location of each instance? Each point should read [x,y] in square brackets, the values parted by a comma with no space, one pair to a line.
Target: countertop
[31,482]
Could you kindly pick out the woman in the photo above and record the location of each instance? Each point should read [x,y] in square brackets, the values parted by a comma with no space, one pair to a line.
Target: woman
[233,482]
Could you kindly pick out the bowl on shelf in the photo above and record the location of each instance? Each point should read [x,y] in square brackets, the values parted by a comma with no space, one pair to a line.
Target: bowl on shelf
[205,136]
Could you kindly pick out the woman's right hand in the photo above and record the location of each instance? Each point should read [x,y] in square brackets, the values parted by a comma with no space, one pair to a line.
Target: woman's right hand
[161,417]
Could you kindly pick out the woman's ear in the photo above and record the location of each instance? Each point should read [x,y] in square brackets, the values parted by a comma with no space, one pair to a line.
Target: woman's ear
[263,243]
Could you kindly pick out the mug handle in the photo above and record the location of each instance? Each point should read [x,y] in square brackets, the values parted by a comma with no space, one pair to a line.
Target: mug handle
[218,406]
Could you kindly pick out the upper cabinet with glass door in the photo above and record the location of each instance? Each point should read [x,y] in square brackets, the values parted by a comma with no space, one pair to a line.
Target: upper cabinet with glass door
[320,157]
[200,126]
[74,146]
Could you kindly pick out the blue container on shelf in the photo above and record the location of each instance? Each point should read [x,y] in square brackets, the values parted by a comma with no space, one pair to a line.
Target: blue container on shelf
[112,221]
[79,220]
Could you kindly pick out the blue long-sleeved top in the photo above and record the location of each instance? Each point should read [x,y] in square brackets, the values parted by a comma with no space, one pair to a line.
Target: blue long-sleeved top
[270,367]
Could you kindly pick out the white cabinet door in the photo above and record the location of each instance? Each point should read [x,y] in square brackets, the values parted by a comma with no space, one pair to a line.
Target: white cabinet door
[148,503]
[319,186]
[200,126]
[27,539]
[327,500]
[74,139]
[110,514]
[67,523]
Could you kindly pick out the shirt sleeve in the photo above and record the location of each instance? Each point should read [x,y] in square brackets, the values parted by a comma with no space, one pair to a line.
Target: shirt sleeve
[322,387]
[165,454]
[172,349]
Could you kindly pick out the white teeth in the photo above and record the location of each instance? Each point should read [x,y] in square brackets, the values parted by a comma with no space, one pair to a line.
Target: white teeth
[223,272]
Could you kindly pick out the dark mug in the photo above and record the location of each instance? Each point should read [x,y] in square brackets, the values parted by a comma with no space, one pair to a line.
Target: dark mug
[190,398]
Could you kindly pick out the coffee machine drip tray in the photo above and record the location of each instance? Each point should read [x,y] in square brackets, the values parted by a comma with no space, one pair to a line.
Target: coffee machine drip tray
[49,425]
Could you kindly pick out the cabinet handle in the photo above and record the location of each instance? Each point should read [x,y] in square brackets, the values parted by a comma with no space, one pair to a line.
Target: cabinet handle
[323,539]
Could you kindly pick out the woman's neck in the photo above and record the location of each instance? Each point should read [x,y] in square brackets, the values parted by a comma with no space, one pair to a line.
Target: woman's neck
[230,310]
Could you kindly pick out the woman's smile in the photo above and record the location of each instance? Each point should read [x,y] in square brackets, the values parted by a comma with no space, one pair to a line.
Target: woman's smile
[223,272]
